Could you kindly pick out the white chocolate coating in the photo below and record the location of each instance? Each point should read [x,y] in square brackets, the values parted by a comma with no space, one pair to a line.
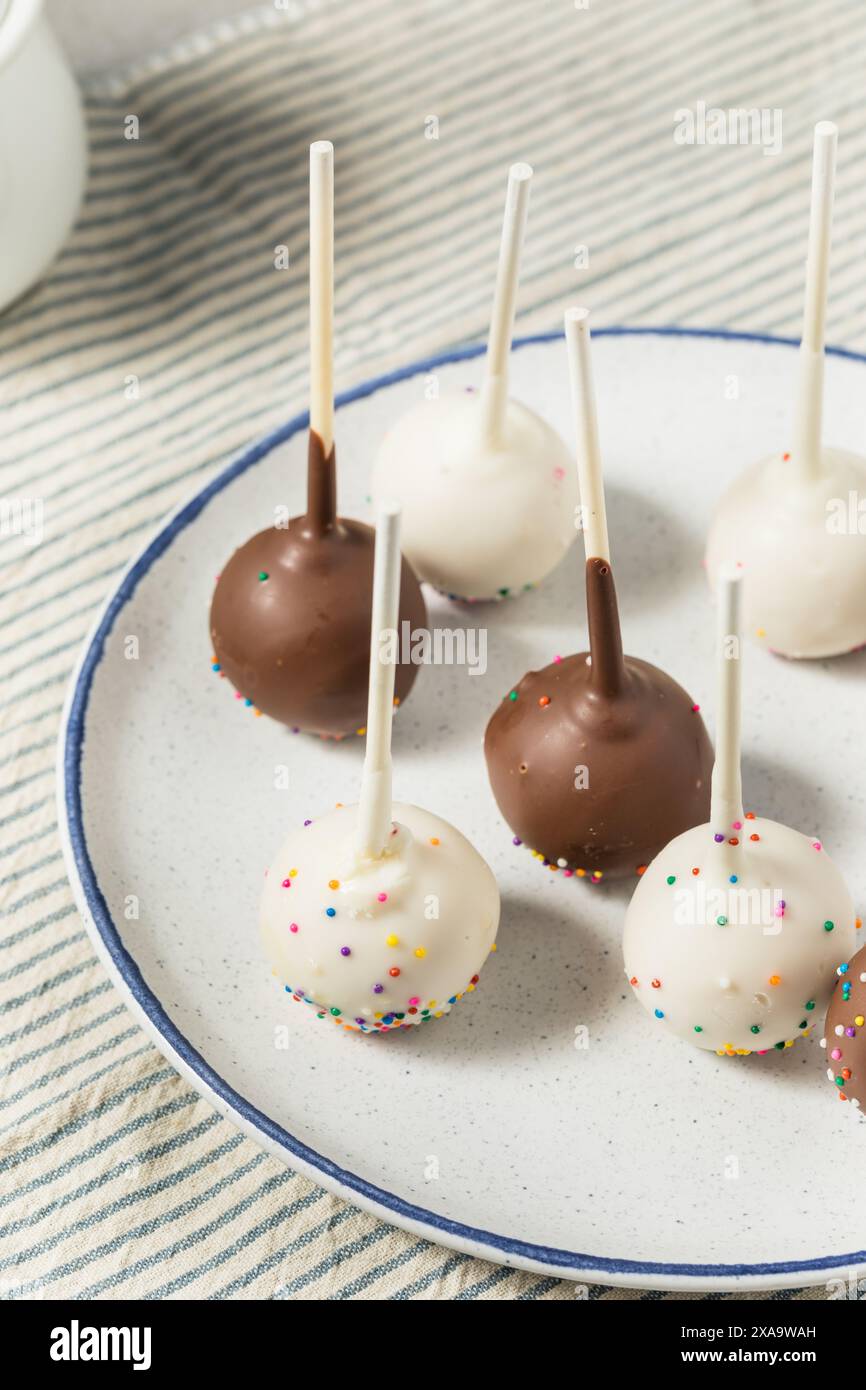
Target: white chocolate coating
[770,966]
[479,521]
[428,909]
[802,553]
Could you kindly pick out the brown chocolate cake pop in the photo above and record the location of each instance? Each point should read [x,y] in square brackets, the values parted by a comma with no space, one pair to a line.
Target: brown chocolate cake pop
[598,760]
[597,764]
[290,616]
[845,1031]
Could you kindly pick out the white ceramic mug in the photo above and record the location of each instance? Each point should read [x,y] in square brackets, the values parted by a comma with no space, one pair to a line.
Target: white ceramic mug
[43,147]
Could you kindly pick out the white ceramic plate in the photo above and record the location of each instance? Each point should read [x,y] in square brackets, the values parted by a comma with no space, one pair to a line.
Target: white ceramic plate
[635,1161]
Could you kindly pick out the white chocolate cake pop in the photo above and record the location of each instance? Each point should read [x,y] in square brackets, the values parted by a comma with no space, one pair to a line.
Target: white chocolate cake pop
[734,933]
[785,519]
[488,489]
[379,915]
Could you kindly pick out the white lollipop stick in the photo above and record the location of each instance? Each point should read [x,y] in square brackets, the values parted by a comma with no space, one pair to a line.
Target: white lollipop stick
[589,472]
[495,390]
[726,789]
[374,812]
[322,291]
[806,447]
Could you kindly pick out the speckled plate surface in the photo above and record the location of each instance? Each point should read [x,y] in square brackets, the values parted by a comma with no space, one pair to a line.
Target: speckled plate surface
[636,1160]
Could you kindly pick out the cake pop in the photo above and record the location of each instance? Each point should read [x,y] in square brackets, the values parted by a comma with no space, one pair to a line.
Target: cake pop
[488,489]
[598,759]
[379,915]
[290,616]
[734,932]
[845,1031]
[784,520]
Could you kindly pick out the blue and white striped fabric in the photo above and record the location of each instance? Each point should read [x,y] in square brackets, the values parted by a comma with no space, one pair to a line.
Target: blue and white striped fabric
[165,339]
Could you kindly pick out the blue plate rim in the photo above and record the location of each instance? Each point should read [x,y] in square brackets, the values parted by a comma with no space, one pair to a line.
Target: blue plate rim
[486,1244]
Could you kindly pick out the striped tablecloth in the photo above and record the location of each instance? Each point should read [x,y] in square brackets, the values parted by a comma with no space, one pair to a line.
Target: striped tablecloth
[164,340]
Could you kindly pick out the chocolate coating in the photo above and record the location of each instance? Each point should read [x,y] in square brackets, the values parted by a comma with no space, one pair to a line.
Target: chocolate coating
[846,1007]
[290,616]
[646,754]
